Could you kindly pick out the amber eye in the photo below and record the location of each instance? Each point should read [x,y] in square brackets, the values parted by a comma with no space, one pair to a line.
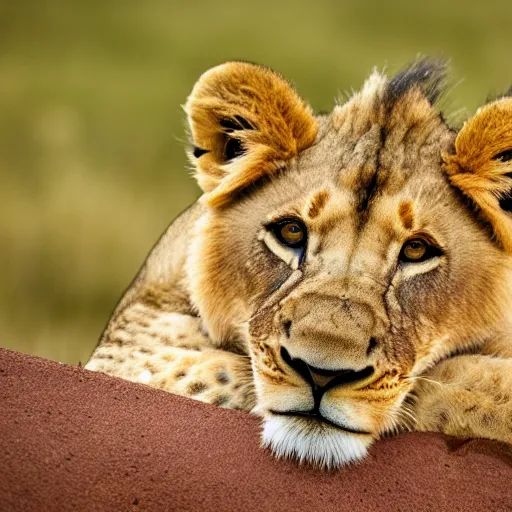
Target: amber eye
[291,233]
[417,250]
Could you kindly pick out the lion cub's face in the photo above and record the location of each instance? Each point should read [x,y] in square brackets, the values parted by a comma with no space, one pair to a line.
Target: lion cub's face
[352,260]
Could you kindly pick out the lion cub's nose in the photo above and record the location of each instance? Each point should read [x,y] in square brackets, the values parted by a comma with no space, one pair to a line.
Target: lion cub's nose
[324,378]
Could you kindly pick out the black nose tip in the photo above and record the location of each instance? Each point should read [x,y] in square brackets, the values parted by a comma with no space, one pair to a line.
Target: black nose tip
[324,378]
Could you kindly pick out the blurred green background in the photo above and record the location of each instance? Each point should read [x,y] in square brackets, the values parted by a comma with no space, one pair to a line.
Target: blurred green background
[92,166]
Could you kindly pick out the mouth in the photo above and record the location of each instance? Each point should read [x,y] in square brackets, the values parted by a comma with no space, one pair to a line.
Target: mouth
[315,416]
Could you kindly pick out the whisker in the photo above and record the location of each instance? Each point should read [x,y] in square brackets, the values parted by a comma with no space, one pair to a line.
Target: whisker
[409,414]
[426,379]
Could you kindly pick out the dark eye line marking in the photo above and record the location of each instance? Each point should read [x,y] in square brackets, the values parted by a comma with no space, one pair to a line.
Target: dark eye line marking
[283,220]
[432,250]
[427,238]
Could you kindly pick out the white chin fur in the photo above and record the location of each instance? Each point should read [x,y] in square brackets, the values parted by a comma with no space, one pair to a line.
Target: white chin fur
[315,443]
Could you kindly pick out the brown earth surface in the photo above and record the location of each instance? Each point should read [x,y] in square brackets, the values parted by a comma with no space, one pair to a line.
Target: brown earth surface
[73,440]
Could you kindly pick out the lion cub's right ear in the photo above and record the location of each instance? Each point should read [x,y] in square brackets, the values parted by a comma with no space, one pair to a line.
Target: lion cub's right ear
[246,122]
[481,166]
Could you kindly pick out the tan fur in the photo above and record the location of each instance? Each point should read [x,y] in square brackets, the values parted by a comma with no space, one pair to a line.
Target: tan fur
[282,126]
[224,312]
[475,170]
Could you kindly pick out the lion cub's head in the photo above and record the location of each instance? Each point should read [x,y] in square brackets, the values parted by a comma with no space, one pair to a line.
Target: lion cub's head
[346,252]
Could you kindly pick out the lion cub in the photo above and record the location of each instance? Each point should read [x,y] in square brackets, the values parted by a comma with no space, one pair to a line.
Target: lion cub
[343,275]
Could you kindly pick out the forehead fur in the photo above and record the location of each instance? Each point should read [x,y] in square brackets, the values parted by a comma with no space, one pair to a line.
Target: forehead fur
[385,138]
[401,108]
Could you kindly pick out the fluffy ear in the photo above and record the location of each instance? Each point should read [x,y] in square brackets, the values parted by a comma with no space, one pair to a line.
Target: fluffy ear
[246,122]
[481,166]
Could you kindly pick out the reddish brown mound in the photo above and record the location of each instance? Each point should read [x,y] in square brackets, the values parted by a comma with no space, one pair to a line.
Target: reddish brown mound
[74,440]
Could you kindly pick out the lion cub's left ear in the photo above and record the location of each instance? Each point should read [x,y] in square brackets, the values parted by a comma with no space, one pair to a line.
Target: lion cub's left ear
[482,165]
[246,122]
